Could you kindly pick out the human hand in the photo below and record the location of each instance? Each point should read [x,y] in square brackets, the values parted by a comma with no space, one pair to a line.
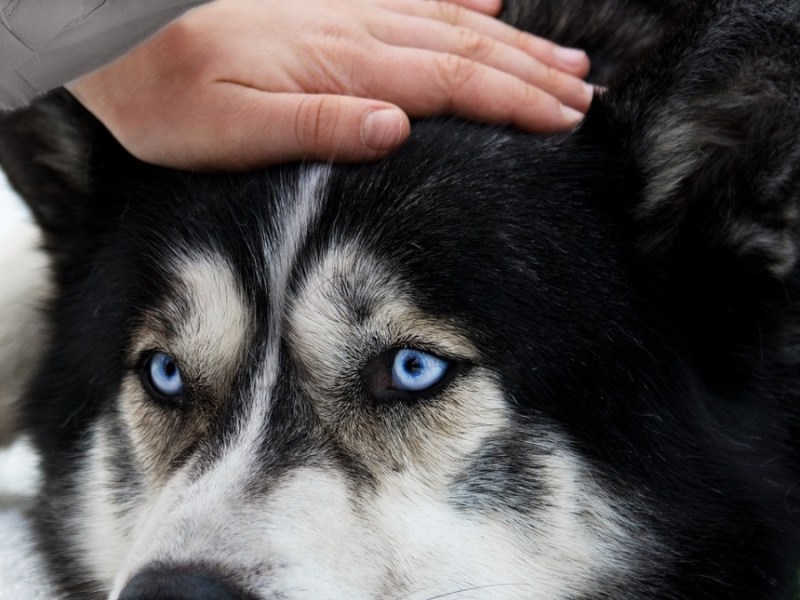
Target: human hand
[244,83]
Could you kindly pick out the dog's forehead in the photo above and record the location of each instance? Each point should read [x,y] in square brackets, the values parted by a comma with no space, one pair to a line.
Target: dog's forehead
[298,274]
[435,235]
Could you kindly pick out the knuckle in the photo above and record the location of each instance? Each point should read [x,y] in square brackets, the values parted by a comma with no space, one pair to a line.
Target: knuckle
[455,72]
[316,121]
[472,43]
[178,33]
[448,12]
[553,78]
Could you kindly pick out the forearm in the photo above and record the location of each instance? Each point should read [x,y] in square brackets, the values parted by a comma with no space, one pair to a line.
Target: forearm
[47,43]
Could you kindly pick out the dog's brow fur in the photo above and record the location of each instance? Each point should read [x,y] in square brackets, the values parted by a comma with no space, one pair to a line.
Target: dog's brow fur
[347,299]
[205,320]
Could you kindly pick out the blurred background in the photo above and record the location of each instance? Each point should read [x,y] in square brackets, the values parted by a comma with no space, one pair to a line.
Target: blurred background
[11,210]
[20,571]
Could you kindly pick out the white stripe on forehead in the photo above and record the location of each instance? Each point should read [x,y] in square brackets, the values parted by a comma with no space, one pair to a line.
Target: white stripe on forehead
[295,213]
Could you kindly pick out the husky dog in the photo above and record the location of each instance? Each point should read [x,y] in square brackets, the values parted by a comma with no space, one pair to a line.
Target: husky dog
[493,366]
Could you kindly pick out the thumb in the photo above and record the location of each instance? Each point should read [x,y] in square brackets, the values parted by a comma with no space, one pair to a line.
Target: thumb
[268,128]
[342,128]
[383,129]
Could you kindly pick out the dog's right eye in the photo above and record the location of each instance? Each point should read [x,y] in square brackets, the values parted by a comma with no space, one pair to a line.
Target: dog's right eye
[162,377]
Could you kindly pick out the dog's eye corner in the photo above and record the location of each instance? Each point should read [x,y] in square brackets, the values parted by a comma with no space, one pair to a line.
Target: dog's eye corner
[161,377]
[406,374]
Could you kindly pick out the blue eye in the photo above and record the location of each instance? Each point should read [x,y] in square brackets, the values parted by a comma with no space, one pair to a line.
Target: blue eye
[415,371]
[163,375]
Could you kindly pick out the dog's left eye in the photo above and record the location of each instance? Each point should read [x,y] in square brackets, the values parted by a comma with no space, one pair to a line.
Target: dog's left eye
[406,374]
[162,376]
[416,371]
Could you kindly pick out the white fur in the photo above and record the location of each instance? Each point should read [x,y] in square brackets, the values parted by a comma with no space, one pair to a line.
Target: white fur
[313,537]
[102,539]
[22,324]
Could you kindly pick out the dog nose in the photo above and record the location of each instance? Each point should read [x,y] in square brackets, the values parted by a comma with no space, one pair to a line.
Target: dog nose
[178,585]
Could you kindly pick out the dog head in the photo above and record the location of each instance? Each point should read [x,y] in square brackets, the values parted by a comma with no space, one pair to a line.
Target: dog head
[490,366]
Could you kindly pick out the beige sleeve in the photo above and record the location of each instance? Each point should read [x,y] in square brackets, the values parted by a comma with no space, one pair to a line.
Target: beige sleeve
[47,43]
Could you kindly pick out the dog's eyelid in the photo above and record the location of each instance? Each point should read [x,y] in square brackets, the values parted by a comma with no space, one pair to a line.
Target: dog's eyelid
[445,353]
[449,346]
[143,355]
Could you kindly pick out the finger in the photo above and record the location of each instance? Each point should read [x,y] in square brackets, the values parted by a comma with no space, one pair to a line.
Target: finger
[248,128]
[417,32]
[569,60]
[425,83]
[490,7]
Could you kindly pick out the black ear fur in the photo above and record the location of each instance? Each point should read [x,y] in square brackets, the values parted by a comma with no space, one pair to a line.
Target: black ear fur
[45,152]
[54,154]
[616,36]
[710,127]
[716,137]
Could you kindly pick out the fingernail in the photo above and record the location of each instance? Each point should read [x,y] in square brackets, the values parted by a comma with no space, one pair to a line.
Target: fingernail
[570,56]
[383,129]
[589,90]
[571,116]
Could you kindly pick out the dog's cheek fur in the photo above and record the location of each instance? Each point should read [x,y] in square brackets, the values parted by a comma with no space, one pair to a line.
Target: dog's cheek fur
[112,489]
[413,532]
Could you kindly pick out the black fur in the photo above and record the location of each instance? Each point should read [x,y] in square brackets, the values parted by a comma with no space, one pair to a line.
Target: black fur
[634,281]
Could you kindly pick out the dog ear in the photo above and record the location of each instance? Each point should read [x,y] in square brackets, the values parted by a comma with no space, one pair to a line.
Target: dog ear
[45,152]
[717,143]
[710,128]
[622,32]
[52,153]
